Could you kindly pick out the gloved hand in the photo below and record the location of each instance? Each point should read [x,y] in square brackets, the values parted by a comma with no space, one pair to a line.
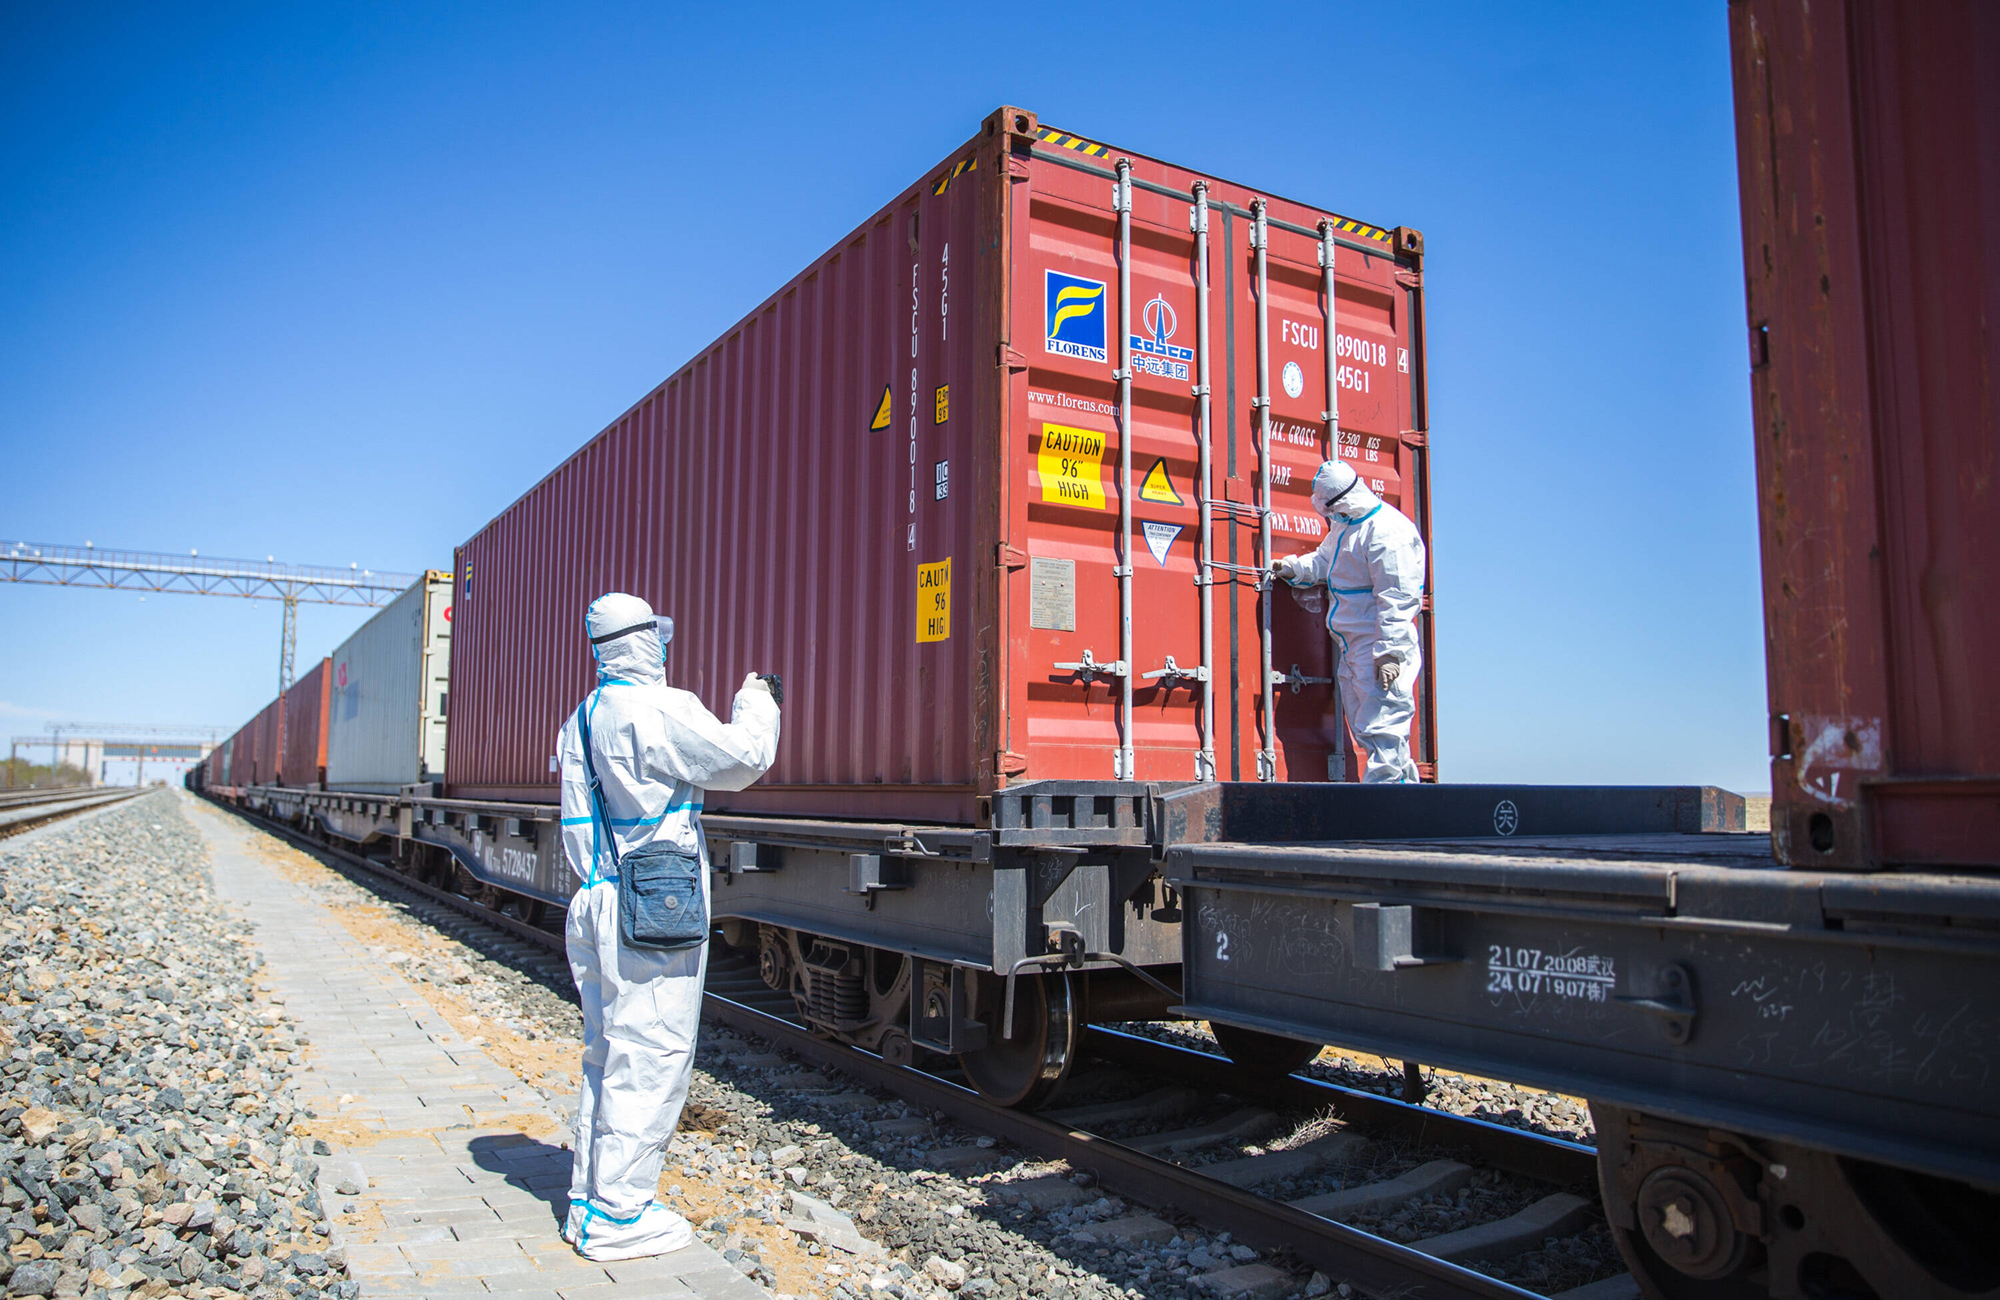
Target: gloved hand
[1387,669]
[1285,568]
[769,683]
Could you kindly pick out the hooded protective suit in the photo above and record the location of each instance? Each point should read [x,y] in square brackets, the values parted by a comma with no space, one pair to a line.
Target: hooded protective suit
[1372,566]
[656,749]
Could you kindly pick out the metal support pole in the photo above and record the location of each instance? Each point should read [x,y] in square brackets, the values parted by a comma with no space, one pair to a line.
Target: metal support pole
[1205,574]
[1125,768]
[1336,765]
[288,645]
[1260,235]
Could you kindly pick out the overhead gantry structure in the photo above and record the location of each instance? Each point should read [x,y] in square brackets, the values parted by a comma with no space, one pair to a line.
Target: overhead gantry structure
[151,571]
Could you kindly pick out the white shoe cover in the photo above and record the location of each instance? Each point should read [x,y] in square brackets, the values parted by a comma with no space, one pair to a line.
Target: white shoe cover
[656,1231]
[573,1223]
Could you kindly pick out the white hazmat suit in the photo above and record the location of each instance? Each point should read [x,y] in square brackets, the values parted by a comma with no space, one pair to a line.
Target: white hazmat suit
[1372,566]
[656,749]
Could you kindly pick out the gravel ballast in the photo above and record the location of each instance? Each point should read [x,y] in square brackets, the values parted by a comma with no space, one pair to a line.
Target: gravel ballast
[147,1122]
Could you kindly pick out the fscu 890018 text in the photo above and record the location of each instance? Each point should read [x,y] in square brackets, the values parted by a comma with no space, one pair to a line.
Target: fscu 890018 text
[1307,335]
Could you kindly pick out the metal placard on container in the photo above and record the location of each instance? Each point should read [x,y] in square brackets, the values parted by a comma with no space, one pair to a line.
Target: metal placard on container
[1052,594]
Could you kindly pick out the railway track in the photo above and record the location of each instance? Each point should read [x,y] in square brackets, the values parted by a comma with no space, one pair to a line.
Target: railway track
[23,810]
[1175,1150]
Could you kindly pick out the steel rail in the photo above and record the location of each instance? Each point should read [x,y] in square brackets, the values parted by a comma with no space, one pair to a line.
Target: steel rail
[1369,1262]
[24,814]
[1517,1151]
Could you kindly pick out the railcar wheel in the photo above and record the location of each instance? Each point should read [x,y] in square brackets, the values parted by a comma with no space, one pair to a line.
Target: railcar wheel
[1700,1212]
[528,911]
[1026,1069]
[1264,1054]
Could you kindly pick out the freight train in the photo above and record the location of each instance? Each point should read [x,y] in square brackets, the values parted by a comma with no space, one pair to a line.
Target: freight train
[993,484]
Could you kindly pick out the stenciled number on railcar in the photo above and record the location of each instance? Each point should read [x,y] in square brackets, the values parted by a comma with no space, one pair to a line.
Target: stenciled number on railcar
[1222,946]
[1532,972]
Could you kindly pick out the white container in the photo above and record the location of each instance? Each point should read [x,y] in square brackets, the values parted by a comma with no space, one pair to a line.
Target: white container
[387,723]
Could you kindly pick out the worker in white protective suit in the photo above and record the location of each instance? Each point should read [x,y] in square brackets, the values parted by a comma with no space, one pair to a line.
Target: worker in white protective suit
[1372,566]
[655,751]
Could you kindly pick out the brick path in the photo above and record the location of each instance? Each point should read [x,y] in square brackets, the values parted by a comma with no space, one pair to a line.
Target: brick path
[469,1202]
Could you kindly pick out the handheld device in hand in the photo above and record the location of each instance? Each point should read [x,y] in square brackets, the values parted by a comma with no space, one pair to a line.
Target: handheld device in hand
[777,685]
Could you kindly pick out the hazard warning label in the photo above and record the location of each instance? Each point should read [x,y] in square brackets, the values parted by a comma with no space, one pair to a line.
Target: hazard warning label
[881,420]
[1159,486]
[934,601]
[1071,466]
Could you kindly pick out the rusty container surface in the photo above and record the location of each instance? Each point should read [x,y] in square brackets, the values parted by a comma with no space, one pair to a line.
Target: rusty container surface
[253,757]
[307,704]
[1868,140]
[243,753]
[898,484]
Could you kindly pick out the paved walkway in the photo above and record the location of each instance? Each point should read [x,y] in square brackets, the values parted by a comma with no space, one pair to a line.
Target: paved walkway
[470,1204]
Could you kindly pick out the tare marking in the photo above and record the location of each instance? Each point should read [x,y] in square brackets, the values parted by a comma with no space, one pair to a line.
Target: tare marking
[1533,972]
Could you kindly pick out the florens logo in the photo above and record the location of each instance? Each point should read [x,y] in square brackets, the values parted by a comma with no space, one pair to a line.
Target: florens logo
[1074,317]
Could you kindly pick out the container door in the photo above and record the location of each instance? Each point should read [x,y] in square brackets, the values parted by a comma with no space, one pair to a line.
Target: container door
[1065,452]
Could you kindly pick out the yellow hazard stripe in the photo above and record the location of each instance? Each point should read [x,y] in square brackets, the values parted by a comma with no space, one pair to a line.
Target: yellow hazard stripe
[1065,141]
[966,164]
[1357,228]
[1078,143]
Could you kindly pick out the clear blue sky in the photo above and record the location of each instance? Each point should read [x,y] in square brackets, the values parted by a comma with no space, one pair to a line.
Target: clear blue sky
[337,283]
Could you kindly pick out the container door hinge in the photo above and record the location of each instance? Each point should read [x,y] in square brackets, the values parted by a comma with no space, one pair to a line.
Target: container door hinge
[1007,763]
[1089,668]
[1011,358]
[1414,437]
[1410,279]
[1173,672]
[1009,557]
[1297,680]
[1781,735]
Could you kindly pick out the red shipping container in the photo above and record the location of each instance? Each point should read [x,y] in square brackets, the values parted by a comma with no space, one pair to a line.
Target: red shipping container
[254,749]
[898,483]
[241,745]
[1868,140]
[307,705]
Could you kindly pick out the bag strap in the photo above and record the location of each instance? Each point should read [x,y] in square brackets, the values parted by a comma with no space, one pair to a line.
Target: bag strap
[597,809]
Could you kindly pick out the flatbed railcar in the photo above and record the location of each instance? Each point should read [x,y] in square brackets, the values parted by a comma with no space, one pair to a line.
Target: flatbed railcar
[1796,1064]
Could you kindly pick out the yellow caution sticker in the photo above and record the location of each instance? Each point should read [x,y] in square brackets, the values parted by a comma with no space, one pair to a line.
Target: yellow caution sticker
[934,601]
[943,403]
[881,420]
[1159,486]
[1071,466]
